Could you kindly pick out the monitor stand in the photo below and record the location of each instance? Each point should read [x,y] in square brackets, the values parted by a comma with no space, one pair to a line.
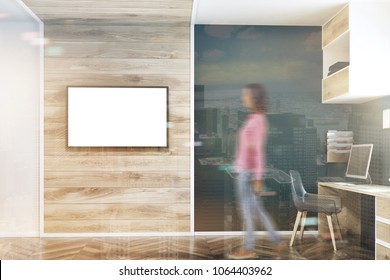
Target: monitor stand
[366,181]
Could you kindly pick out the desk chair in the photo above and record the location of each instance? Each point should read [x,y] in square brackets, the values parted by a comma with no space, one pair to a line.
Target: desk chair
[305,201]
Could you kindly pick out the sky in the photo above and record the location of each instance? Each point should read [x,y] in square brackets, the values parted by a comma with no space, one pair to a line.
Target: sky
[283,58]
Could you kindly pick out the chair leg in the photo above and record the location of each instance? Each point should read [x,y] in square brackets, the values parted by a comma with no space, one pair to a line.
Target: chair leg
[297,220]
[303,220]
[329,217]
[338,224]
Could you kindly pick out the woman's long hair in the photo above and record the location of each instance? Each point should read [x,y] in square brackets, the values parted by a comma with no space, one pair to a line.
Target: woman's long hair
[259,97]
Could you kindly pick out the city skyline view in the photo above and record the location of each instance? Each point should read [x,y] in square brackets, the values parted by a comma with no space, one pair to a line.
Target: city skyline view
[287,60]
[283,58]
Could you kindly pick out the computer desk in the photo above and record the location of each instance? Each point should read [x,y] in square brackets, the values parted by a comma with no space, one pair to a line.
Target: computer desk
[350,215]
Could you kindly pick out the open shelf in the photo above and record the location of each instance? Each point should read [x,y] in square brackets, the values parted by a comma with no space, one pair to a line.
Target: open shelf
[336,51]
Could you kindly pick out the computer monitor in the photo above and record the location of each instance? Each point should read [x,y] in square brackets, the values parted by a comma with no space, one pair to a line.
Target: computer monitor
[359,161]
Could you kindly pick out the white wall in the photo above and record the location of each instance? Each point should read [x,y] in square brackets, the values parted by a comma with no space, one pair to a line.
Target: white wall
[19,123]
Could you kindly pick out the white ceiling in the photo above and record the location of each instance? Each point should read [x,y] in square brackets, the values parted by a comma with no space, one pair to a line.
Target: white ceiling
[234,12]
[14,10]
[265,12]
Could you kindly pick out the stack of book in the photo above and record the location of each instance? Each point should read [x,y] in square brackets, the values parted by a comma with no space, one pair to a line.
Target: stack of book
[337,67]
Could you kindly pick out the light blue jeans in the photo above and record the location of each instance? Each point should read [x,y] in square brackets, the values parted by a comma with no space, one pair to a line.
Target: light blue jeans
[252,208]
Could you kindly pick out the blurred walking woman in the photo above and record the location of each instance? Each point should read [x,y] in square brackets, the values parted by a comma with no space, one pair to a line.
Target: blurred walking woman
[249,164]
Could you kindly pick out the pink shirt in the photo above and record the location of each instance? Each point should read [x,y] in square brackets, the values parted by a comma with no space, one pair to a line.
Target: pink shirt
[250,144]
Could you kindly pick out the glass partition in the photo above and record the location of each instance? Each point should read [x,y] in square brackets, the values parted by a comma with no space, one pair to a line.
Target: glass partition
[20,92]
[287,60]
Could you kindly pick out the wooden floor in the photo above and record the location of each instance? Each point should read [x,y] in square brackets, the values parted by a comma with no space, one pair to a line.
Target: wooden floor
[170,248]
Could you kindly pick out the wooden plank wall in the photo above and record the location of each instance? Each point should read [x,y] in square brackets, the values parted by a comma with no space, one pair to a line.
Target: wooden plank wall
[116,43]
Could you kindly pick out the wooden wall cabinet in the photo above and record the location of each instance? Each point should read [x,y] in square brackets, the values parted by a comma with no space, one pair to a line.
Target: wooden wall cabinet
[355,46]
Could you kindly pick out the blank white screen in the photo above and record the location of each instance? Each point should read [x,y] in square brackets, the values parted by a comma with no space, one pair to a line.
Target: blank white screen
[359,161]
[117,117]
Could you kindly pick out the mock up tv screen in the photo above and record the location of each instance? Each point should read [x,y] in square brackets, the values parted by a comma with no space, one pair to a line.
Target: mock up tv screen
[117,116]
